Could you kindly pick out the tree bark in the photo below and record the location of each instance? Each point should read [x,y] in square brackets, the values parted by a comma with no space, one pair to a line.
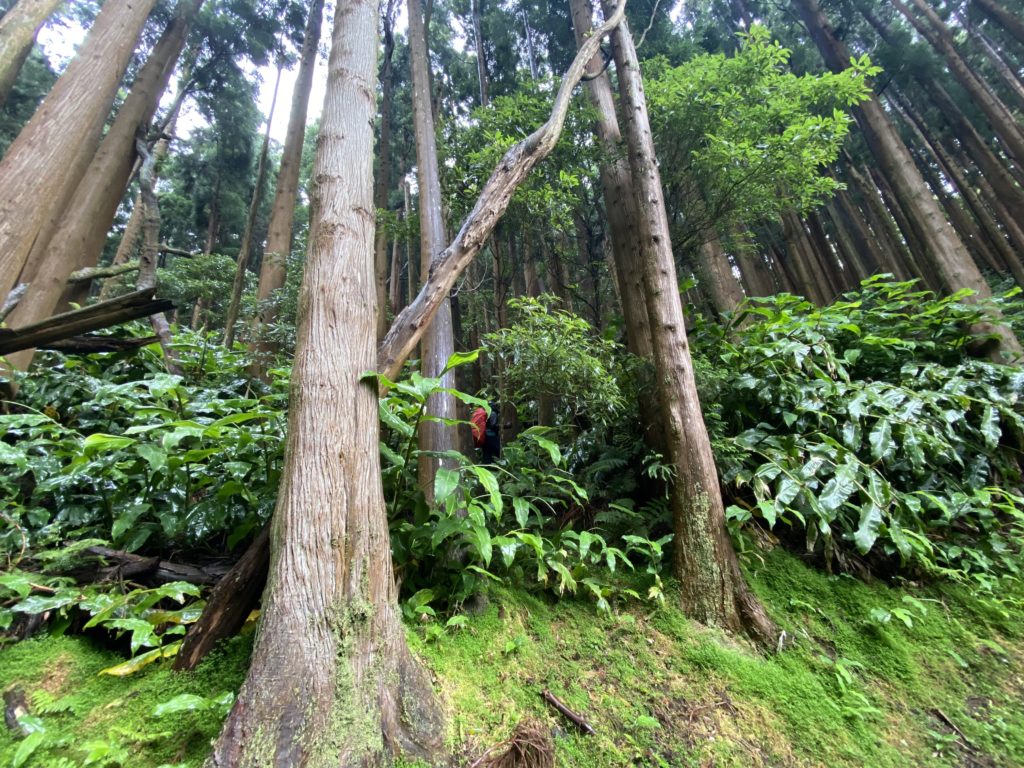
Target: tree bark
[998,116]
[245,247]
[44,165]
[481,59]
[18,30]
[382,180]
[282,212]
[73,239]
[331,680]
[886,231]
[943,251]
[713,588]
[1010,78]
[438,342]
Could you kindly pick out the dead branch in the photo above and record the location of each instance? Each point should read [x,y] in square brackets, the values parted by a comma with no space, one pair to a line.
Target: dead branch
[86,274]
[555,702]
[12,300]
[494,200]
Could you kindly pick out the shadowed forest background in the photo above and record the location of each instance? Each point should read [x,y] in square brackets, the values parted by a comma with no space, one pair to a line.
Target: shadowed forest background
[735,286]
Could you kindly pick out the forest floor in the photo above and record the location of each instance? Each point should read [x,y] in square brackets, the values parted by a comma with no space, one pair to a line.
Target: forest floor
[871,675]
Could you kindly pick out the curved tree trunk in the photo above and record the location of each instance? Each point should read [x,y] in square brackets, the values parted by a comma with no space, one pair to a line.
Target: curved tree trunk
[943,251]
[279,230]
[438,342]
[75,239]
[713,588]
[18,29]
[331,682]
[44,165]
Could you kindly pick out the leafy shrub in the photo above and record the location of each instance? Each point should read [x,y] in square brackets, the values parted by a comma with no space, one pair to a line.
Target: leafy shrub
[864,425]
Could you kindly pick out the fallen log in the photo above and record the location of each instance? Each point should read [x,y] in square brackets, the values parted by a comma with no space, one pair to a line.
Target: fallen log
[131,306]
[229,603]
[84,345]
[129,566]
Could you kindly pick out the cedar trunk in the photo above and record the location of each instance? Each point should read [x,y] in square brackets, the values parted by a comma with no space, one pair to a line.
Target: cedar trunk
[18,29]
[332,682]
[943,252]
[713,588]
[382,181]
[42,167]
[438,342]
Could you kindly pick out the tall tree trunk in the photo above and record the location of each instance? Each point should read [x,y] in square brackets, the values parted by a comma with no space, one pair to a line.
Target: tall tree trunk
[621,208]
[245,247]
[1010,78]
[714,268]
[18,29]
[44,165]
[893,257]
[713,588]
[382,179]
[74,238]
[481,59]
[438,343]
[282,212]
[1008,20]
[998,116]
[943,251]
[331,680]
[851,224]
[802,259]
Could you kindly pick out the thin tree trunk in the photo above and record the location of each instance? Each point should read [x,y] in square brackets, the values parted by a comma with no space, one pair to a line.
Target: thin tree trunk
[481,59]
[245,247]
[998,116]
[883,226]
[713,588]
[45,163]
[801,259]
[74,238]
[438,342]
[382,179]
[1010,78]
[282,212]
[1005,18]
[943,251]
[18,30]
[331,681]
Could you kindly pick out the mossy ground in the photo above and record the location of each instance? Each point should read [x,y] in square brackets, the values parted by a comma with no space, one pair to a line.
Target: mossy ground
[850,689]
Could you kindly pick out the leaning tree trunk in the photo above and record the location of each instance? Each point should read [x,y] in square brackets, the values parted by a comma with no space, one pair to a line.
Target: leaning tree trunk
[75,239]
[1005,18]
[44,165]
[438,343]
[18,29]
[999,117]
[332,682]
[282,212]
[944,253]
[713,588]
[245,247]
[481,59]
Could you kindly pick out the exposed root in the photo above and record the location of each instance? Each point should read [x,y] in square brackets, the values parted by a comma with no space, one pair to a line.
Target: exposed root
[529,746]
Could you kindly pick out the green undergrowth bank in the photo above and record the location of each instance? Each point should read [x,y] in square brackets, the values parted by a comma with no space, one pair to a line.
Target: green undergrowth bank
[870,675]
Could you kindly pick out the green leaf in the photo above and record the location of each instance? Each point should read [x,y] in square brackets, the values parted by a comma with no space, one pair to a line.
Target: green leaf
[552,448]
[839,488]
[522,511]
[25,749]
[880,440]
[990,430]
[445,482]
[100,442]
[460,358]
[867,530]
[490,484]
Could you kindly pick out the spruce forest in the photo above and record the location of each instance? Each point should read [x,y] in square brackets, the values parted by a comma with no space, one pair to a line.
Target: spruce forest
[511,383]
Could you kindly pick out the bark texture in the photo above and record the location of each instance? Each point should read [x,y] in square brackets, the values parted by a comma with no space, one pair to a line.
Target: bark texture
[382,180]
[713,588]
[44,165]
[74,238]
[331,681]
[18,29]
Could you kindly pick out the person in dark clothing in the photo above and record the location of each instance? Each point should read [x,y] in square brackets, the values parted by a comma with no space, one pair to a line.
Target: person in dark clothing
[487,433]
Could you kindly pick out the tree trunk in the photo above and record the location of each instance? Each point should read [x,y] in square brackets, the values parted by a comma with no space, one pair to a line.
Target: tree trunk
[801,259]
[438,342]
[245,247]
[1010,78]
[714,268]
[481,59]
[73,239]
[713,588]
[279,231]
[893,257]
[998,116]
[943,251]
[331,680]
[43,166]
[18,29]
[1008,20]
[382,180]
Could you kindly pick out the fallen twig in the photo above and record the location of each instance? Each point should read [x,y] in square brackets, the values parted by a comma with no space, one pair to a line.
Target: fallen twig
[555,702]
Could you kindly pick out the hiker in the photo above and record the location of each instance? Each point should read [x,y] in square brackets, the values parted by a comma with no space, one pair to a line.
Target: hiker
[487,433]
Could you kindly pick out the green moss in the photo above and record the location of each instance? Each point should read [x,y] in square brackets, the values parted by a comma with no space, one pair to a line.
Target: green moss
[848,690]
